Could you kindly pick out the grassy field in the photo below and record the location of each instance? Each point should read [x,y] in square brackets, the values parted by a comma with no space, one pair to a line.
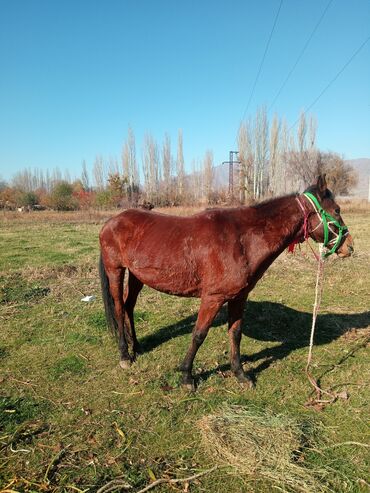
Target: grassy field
[72,420]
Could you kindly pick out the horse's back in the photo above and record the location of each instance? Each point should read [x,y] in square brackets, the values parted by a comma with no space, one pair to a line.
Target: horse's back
[171,253]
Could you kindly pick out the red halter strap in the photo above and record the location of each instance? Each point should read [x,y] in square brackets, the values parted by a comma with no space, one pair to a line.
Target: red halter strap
[305,231]
[305,219]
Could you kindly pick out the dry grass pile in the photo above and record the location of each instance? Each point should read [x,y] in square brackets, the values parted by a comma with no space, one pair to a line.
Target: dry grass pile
[261,446]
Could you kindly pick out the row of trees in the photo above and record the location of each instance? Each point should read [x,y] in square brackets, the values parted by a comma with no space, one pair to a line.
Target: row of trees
[272,161]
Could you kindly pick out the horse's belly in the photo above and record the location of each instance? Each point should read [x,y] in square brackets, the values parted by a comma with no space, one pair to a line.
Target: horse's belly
[170,281]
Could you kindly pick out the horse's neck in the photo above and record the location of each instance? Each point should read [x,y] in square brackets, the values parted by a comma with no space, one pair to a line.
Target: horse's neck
[281,222]
[284,221]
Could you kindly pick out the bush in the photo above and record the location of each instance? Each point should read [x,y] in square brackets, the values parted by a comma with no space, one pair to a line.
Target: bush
[28,199]
[103,199]
[62,198]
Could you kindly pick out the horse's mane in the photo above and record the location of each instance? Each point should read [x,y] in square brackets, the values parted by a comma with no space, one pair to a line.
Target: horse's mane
[271,201]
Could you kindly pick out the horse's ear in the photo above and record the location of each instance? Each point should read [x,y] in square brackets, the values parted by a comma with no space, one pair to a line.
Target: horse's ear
[321,185]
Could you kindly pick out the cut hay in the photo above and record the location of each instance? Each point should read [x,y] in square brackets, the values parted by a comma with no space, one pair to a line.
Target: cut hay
[261,446]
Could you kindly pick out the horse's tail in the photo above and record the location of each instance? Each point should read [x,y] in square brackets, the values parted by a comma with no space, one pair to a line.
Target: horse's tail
[107,299]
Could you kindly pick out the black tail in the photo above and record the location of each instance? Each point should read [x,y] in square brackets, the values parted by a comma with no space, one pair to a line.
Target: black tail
[107,299]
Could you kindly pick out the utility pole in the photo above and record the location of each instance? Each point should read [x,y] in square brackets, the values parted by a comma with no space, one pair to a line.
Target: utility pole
[231,163]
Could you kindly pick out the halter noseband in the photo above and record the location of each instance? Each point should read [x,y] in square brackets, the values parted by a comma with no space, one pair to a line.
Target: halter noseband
[326,220]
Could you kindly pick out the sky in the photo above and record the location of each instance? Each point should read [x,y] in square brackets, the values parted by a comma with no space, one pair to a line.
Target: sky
[74,75]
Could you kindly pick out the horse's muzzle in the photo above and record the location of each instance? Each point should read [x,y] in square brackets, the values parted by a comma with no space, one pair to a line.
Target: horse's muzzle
[347,247]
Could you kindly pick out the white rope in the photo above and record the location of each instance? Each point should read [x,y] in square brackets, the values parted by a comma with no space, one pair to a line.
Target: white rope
[318,295]
[332,396]
[316,307]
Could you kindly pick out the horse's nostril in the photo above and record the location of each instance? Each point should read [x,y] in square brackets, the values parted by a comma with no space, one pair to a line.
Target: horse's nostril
[350,249]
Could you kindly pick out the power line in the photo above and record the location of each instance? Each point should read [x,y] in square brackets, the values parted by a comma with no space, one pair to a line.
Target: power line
[300,55]
[333,79]
[262,61]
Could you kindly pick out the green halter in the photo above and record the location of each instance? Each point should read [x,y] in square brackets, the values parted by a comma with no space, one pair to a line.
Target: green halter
[326,220]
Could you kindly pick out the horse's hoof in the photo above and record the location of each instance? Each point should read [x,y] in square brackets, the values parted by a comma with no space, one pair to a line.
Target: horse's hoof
[245,380]
[125,364]
[188,384]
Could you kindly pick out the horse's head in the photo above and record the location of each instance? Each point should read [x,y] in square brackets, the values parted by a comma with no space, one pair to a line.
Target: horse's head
[324,222]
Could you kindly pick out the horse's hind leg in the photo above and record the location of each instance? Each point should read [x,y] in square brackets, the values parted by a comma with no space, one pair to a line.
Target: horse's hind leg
[236,308]
[115,276]
[207,312]
[133,288]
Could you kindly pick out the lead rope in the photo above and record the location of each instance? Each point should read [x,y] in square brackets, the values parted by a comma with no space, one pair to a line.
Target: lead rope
[332,396]
[316,307]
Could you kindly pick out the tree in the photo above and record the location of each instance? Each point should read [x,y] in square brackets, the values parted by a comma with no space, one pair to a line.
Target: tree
[99,173]
[208,176]
[133,178]
[23,180]
[9,198]
[302,158]
[85,177]
[261,151]
[125,160]
[340,176]
[280,186]
[129,164]
[117,186]
[103,199]
[167,168]
[246,158]
[274,155]
[195,182]
[180,167]
[62,197]
[151,169]
[28,199]
[3,184]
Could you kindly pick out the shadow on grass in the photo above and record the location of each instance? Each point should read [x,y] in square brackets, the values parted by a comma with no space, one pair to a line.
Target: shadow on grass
[270,322]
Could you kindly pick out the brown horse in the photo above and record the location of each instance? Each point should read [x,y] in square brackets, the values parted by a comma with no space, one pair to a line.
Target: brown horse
[217,255]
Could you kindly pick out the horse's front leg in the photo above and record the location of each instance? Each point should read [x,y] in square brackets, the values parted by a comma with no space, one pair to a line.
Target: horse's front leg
[209,308]
[236,309]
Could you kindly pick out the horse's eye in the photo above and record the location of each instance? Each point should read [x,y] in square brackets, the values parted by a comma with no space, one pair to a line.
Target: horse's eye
[337,211]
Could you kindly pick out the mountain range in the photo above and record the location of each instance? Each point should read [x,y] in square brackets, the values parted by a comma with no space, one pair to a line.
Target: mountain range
[362,167]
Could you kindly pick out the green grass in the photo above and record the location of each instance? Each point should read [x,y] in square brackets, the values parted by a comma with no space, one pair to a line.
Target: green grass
[71,419]
[68,366]
[16,289]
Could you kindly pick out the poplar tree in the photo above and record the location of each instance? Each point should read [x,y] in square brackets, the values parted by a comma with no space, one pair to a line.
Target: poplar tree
[167,168]
[85,177]
[208,172]
[180,167]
